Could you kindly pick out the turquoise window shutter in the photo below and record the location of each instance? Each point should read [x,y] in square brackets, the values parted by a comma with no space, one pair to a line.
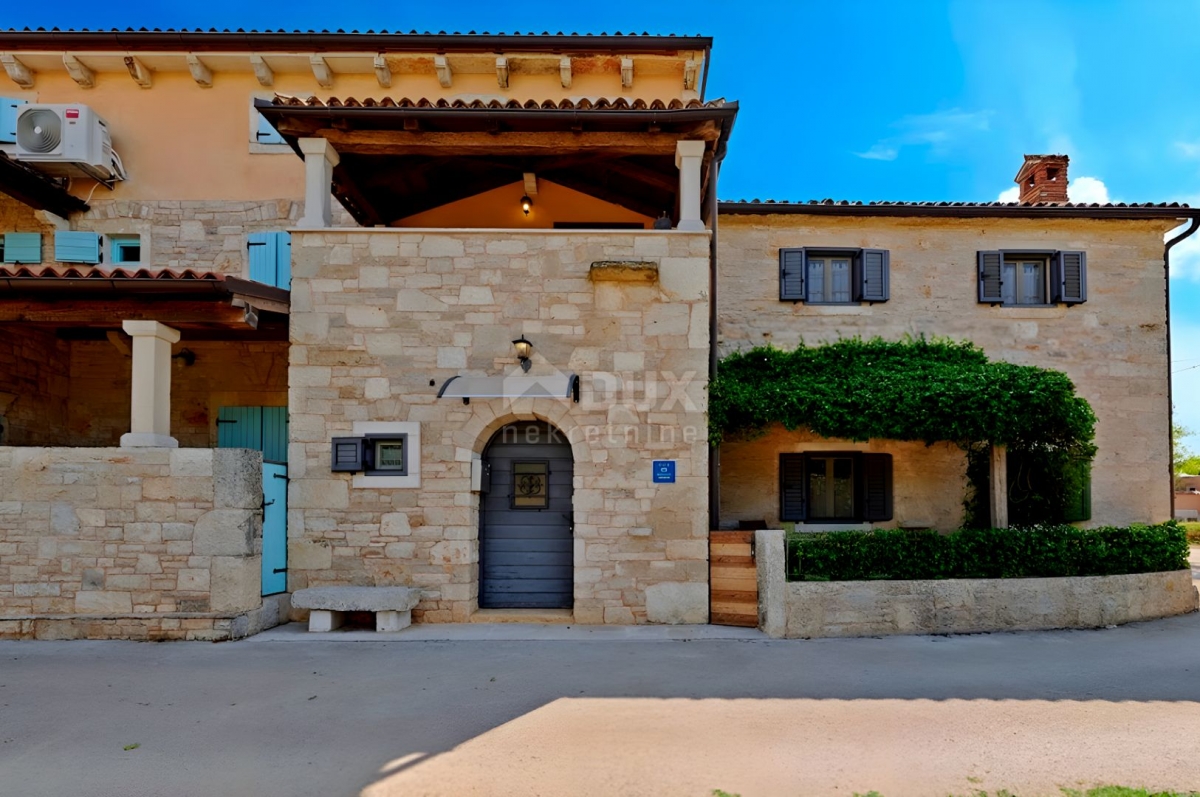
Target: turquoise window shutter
[283,261]
[8,119]
[271,258]
[263,257]
[22,247]
[267,134]
[274,434]
[76,247]
[239,427]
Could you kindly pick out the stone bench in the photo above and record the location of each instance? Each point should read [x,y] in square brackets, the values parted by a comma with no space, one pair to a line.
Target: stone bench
[328,605]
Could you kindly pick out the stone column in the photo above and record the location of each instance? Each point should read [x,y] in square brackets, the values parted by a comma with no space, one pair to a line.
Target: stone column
[688,157]
[150,396]
[770,558]
[319,159]
[999,487]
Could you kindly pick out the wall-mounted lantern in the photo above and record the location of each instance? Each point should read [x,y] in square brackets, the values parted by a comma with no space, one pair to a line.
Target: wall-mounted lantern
[524,350]
[526,204]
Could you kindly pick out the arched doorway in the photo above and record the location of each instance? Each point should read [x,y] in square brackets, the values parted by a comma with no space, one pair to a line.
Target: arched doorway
[526,546]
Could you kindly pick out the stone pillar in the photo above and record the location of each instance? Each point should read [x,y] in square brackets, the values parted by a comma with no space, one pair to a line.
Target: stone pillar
[150,396]
[319,159]
[770,559]
[688,157]
[999,487]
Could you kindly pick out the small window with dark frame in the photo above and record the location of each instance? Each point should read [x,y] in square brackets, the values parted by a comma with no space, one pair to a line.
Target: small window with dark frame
[822,275]
[386,455]
[1031,278]
[531,485]
[835,487]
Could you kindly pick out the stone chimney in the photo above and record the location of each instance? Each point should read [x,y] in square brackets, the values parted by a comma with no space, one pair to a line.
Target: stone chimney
[1043,178]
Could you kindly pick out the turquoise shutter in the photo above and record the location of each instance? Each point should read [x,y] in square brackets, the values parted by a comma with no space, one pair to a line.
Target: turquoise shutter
[9,106]
[271,258]
[22,247]
[76,247]
[266,134]
[239,427]
[274,434]
[262,256]
[283,261]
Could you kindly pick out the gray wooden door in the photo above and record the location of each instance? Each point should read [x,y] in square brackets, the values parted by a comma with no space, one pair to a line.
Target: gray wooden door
[525,528]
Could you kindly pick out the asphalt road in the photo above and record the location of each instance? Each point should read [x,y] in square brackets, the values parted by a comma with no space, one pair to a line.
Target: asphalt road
[904,716]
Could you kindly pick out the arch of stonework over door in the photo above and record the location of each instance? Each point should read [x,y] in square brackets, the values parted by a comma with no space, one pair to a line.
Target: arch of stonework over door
[398,158]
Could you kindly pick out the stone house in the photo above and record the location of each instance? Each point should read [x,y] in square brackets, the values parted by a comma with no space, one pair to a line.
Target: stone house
[440,310]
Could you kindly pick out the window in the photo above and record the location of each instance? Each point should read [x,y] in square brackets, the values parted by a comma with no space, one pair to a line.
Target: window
[835,487]
[124,249]
[386,455]
[1022,278]
[264,138]
[834,276]
[531,485]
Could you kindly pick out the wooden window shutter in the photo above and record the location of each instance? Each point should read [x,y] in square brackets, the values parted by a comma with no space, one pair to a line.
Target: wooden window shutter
[877,487]
[266,132]
[791,275]
[22,247]
[72,246]
[990,280]
[275,434]
[9,107]
[1068,277]
[283,261]
[791,487]
[874,276]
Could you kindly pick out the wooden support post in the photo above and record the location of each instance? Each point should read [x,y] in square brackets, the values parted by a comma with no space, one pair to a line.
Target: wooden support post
[999,487]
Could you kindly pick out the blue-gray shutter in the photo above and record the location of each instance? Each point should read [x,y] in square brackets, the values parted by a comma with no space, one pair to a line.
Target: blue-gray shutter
[346,455]
[72,246]
[1068,278]
[239,427]
[283,261]
[791,487]
[877,487]
[9,107]
[271,258]
[22,247]
[874,272]
[275,434]
[791,275]
[990,278]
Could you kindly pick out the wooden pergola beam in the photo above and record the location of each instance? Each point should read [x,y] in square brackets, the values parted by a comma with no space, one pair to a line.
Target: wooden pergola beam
[515,144]
[107,312]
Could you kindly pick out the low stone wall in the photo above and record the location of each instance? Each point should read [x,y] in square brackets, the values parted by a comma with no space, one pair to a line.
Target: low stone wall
[812,609]
[112,543]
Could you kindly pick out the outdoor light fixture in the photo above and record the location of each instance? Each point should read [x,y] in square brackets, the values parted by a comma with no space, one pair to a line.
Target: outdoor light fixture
[524,349]
[526,204]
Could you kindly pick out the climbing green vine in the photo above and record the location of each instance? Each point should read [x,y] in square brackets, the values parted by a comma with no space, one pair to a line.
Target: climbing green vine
[913,389]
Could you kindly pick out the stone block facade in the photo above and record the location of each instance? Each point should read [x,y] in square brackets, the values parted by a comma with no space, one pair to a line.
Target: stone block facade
[129,543]
[382,318]
[1113,346]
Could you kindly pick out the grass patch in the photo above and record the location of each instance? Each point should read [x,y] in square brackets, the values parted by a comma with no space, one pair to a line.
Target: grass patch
[1193,532]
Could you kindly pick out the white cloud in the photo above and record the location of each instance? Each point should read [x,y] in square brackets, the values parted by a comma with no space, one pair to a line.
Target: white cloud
[939,130]
[1087,189]
[1188,149]
[1010,194]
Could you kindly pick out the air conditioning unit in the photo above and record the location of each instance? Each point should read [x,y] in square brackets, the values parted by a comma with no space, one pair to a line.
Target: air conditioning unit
[67,141]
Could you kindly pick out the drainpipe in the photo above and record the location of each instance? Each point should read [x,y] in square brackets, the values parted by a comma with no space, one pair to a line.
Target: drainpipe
[1192,227]
[714,452]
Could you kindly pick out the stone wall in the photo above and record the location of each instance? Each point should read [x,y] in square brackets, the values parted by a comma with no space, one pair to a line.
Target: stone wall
[129,543]
[928,482]
[1113,346]
[381,319]
[813,609]
[34,385]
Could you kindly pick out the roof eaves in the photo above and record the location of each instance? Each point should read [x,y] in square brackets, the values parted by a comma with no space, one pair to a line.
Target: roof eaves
[831,207]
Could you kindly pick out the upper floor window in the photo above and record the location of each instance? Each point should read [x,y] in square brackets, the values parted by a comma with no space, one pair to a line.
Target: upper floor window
[833,276]
[1023,278]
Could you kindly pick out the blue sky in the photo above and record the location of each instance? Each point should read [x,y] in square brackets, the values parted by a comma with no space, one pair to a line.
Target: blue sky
[871,99]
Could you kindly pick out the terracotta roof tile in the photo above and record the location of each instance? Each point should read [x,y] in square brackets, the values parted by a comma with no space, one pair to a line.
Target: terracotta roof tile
[13,271]
[585,104]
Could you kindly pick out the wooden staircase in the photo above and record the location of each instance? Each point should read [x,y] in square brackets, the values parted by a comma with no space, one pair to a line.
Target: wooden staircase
[732,579]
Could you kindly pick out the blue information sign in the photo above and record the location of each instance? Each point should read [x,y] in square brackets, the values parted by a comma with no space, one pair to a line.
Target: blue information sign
[664,471]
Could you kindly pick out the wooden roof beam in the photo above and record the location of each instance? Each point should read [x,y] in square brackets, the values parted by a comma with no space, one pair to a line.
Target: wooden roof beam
[507,145]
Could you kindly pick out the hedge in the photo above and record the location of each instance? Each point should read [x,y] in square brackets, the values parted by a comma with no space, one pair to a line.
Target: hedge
[1033,552]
